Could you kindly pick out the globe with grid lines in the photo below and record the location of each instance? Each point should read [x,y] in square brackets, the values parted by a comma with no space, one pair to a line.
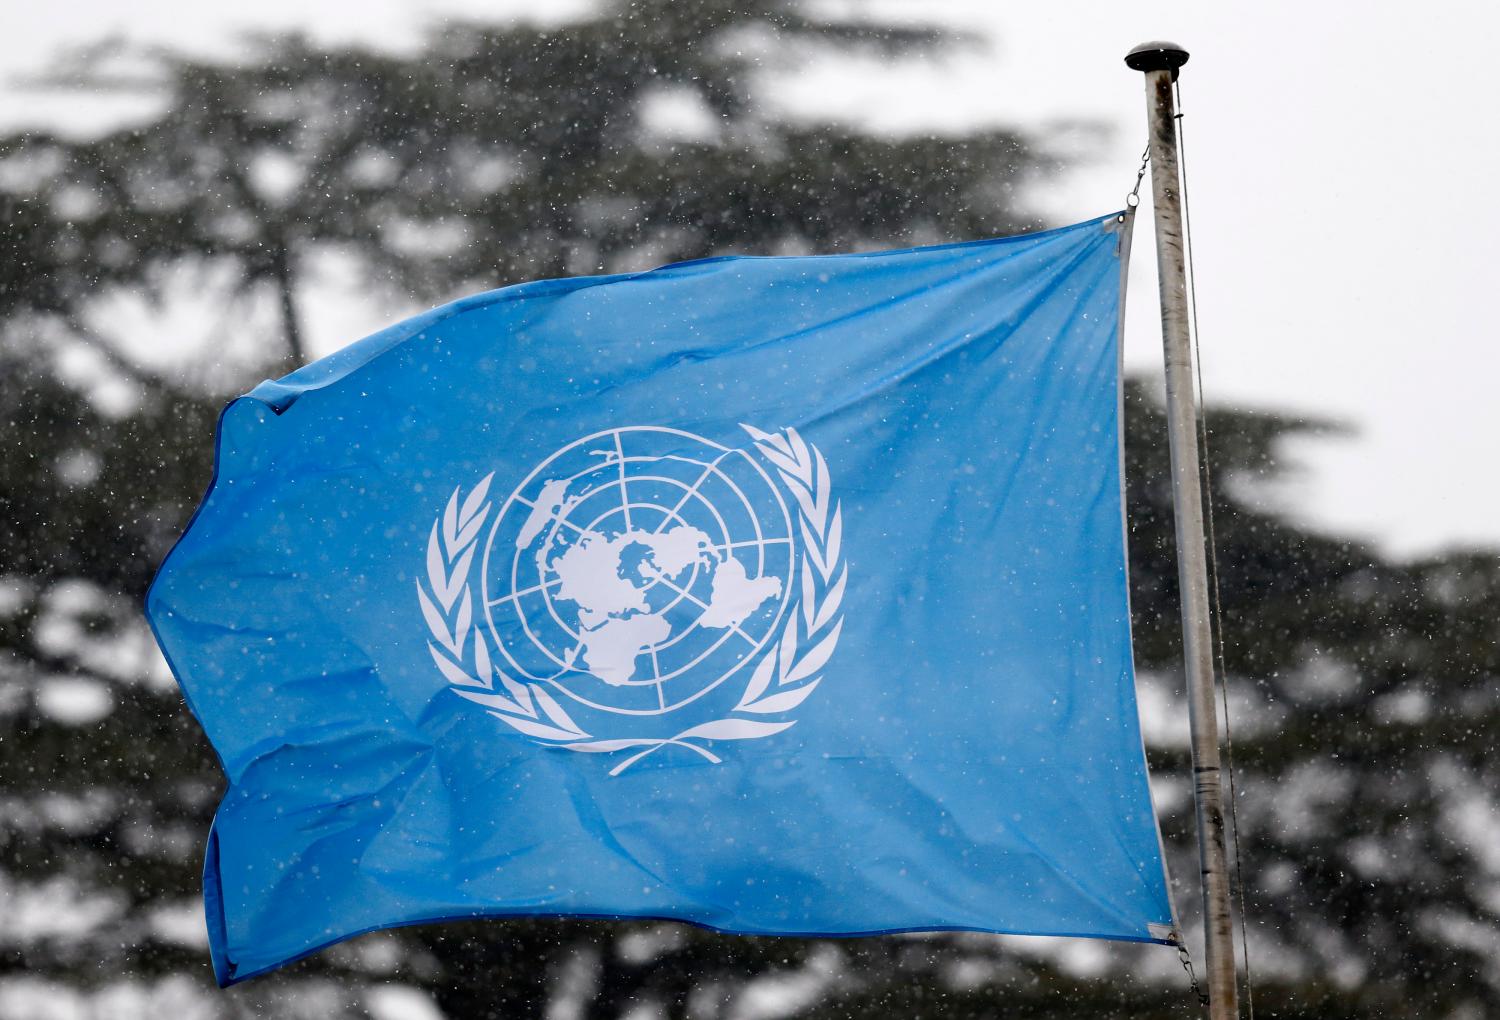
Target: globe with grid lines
[638,568]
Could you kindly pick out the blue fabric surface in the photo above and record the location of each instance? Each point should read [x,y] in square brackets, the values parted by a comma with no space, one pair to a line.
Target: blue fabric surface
[777,595]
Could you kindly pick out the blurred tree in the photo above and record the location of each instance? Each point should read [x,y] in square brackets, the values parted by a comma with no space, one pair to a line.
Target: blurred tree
[1366,691]
[495,154]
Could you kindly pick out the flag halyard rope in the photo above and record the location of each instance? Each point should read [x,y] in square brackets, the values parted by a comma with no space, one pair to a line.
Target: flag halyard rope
[1217,615]
[1132,200]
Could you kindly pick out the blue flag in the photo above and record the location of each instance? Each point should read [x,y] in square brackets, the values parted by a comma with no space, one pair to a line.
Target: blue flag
[776,595]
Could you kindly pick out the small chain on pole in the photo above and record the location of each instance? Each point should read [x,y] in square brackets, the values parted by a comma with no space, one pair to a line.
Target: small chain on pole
[1134,198]
[1187,965]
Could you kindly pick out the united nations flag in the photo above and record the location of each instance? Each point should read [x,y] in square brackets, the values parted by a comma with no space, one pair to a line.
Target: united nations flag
[780,596]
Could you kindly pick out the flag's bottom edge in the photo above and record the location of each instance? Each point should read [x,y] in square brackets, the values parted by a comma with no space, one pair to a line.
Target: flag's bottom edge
[226,972]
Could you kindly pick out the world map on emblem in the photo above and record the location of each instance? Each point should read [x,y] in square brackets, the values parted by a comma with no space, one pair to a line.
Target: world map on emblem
[635,570]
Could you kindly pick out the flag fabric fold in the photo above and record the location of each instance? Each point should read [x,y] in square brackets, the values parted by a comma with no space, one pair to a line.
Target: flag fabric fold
[775,595]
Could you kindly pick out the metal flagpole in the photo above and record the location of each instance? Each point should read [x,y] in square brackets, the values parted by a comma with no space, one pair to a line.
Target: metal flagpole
[1160,61]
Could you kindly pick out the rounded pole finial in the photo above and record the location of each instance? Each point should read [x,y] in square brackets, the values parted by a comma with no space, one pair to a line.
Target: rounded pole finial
[1157,56]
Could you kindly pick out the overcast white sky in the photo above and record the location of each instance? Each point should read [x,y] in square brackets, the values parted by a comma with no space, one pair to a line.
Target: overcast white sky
[1342,157]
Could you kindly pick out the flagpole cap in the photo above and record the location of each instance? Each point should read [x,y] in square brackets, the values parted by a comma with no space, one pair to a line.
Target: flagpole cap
[1157,56]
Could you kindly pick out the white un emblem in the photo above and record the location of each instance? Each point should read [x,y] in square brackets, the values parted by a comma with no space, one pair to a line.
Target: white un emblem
[635,573]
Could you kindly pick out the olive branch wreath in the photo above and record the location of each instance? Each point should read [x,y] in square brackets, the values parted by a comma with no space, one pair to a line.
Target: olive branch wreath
[461,652]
